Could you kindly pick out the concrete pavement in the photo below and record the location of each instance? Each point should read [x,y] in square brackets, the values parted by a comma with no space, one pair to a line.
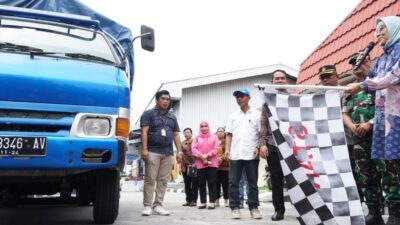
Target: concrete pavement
[192,215]
[130,213]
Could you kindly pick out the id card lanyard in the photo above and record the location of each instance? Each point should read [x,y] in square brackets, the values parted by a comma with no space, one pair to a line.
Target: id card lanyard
[163,131]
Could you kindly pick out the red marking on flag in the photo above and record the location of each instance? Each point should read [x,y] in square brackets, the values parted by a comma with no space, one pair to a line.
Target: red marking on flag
[301,133]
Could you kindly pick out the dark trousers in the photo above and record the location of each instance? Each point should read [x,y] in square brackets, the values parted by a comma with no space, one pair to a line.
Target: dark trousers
[207,176]
[242,184]
[191,188]
[354,169]
[375,176]
[222,181]
[276,174]
[235,171]
[396,164]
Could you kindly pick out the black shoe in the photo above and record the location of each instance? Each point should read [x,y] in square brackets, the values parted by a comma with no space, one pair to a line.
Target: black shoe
[186,204]
[202,206]
[374,220]
[392,220]
[394,215]
[374,216]
[277,216]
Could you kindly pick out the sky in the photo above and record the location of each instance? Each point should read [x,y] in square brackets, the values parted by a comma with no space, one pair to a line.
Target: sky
[196,38]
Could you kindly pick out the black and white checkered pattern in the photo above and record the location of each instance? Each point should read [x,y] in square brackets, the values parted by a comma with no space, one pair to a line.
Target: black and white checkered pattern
[319,176]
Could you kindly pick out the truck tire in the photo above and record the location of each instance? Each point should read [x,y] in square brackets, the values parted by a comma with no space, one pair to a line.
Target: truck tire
[106,202]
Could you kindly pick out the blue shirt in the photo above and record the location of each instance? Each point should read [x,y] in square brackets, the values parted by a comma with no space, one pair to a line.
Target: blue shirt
[158,141]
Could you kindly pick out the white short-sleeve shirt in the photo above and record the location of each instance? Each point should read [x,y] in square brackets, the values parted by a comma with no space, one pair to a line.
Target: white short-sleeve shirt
[245,130]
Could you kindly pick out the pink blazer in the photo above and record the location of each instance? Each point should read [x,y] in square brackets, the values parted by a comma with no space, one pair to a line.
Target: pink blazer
[207,145]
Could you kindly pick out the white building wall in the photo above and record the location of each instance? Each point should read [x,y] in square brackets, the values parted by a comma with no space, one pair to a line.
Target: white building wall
[176,110]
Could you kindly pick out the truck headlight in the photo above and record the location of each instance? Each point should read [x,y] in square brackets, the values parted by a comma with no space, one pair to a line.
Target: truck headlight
[97,126]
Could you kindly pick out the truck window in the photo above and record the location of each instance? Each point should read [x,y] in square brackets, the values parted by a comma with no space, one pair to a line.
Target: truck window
[53,38]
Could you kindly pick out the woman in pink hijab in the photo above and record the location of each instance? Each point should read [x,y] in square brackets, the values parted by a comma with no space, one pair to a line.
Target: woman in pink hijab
[204,149]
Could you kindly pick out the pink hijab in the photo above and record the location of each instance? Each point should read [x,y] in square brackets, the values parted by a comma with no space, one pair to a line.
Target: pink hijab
[207,134]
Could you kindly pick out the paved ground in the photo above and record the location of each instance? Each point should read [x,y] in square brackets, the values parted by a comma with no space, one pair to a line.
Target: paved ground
[130,213]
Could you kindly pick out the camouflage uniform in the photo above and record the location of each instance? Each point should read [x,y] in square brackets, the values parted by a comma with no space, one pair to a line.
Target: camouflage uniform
[374,175]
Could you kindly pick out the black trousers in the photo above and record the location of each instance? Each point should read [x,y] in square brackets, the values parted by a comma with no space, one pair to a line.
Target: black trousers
[396,164]
[235,171]
[191,188]
[277,179]
[353,168]
[222,181]
[207,176]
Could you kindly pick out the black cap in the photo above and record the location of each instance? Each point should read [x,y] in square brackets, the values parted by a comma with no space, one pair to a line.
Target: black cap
[327,69]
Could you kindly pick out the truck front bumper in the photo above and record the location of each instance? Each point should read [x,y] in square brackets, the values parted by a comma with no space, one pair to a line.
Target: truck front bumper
[65,153]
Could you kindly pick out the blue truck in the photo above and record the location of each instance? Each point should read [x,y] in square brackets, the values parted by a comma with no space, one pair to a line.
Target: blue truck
[65,88]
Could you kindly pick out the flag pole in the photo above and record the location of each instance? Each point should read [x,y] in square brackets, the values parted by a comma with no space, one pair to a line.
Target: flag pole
[289,86]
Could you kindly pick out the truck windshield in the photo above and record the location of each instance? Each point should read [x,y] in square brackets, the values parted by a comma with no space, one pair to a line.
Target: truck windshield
[55,39]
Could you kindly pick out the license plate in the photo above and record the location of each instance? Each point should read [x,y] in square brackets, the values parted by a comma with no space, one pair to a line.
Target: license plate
[23,146]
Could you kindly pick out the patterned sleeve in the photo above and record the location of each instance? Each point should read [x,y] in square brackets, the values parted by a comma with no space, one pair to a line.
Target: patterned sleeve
[264,127]
[145,119]
[391,78]
[176,125]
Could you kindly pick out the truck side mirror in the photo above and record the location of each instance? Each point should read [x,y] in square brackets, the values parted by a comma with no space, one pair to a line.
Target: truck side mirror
[147,41]
[147,36]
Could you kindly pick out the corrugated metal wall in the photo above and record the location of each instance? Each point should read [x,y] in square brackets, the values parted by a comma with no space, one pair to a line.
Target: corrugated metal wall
[215,102]
[176,110]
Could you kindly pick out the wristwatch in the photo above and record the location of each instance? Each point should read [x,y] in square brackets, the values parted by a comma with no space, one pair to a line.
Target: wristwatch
[364,86]
[371,122]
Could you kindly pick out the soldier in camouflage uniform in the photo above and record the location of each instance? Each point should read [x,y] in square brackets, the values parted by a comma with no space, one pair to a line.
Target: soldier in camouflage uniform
[373,174]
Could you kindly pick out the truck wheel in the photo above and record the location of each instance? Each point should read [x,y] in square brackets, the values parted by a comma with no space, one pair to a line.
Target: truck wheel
[106,202]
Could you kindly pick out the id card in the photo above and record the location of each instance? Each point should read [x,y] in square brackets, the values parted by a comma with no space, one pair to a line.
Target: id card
[163,132]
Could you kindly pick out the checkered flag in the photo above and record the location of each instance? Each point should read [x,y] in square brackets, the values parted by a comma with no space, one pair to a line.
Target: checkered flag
[308,130]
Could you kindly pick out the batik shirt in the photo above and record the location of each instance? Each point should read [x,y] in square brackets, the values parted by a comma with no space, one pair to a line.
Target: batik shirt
[386,135]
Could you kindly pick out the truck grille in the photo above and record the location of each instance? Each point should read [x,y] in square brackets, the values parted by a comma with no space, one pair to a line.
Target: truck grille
[35,122]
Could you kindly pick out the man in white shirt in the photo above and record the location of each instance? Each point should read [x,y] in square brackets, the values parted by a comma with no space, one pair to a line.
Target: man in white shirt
[242,133]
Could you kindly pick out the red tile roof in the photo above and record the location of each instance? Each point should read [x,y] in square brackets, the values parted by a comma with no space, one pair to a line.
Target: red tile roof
[353,34]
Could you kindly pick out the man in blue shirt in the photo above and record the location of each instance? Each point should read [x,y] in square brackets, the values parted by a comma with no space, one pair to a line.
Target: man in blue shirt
[159,129]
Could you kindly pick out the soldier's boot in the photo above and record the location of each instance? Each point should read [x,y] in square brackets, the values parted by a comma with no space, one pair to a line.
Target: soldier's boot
[374,216]
[394,215]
